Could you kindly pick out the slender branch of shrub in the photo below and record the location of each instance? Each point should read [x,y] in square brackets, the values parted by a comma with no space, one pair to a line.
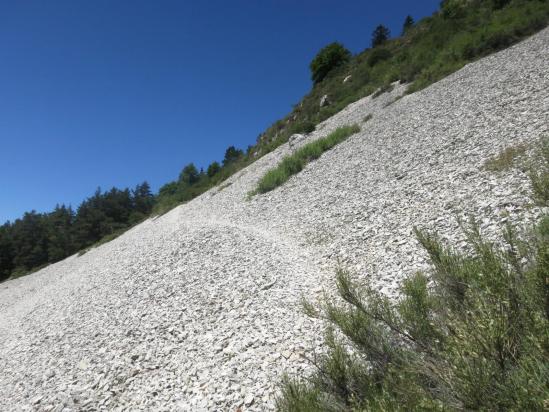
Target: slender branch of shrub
[473,335]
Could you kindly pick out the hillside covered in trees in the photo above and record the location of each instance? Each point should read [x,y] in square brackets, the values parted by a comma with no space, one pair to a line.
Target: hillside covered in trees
[37,239]
[426,51]
[40,238]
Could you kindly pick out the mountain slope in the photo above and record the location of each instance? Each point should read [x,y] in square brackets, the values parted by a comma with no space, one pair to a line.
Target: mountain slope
[199,309]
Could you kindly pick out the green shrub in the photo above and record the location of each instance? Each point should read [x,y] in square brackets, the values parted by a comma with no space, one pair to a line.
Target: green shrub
[327,59]
[377,56]
[294,163]
[540,176]
[476,340]
[499,4]
[453,9]
[506,158]
[474,335]
[303,127]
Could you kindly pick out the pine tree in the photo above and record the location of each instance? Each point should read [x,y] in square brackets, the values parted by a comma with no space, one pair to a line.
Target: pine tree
[87,225]
[143,199]
[408,23]
[232,154]
[6,251]
[59,232]
[213,169]
[189,175]
[30,241]
[380,35]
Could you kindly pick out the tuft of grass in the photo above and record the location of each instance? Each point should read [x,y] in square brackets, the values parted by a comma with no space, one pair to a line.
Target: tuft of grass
[539,176]
[383,89]
[294,163]
[505,159]
[367,118]
[472,334]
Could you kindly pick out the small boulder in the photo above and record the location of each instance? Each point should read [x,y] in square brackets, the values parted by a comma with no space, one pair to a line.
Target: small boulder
[324,101]
[347,78]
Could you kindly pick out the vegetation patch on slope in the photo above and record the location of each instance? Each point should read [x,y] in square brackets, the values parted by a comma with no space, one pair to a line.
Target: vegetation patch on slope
[473,335]
[460,32]
[505,159]
[295,163]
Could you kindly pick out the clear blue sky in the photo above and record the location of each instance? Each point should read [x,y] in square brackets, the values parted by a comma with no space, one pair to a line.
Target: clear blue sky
[111,93]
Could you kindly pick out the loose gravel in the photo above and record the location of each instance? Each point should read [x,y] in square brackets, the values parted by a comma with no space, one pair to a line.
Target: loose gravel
[199,309]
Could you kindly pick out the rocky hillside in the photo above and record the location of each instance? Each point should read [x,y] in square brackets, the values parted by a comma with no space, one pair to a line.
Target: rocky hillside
[199,309]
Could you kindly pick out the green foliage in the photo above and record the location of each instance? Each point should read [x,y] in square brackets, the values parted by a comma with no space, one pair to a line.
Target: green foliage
[498,4]
[327,59]
[213,169]
[453,9]
[505,159]
[380,35]
[175,193]
[408,24]
[303,127]
[431,49]
[232,154]
[143,200]
[474,335]
[38,239]
[189,175]
[540,176]
[476,339]
[294,163]
[378,55]
[6,252]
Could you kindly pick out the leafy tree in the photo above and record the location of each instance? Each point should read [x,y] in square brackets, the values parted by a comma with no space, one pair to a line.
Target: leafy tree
[59,228]
[6,251]
[327,59]
[87,223]
[169,189]
[30,241]
[408,24]
[232,154]
[143,199]
[116,205]
[37,239]
[380,35]
[213,169]
[189,175]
